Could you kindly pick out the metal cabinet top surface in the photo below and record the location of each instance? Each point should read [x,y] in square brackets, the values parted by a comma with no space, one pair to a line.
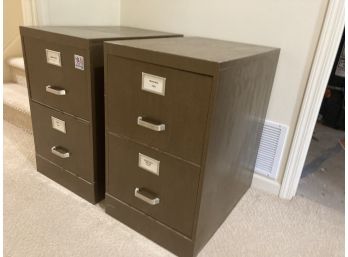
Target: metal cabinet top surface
[202,55]
[97,32]
[207,49]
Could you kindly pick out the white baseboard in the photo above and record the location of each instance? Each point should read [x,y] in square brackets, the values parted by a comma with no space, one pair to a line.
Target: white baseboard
[265,184]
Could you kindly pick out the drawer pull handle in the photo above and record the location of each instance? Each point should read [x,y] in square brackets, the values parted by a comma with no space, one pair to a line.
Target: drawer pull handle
[55,90]
[60,152]
[146,196]
[150,125]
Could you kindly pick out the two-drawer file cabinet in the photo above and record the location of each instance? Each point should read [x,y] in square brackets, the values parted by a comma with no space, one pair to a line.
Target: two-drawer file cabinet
[64,68]
[183,122]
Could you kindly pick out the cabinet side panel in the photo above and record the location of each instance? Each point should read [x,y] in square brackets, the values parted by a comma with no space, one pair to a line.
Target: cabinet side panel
[239,111]
[97,99]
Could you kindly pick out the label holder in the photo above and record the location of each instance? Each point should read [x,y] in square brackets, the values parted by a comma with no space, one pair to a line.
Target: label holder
[149,164]
[153,84]
[58,124]
[53,58]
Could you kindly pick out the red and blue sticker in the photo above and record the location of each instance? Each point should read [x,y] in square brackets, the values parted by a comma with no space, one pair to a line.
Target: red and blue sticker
[79,62]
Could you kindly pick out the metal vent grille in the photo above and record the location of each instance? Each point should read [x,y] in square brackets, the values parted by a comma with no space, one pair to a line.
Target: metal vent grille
[271,149]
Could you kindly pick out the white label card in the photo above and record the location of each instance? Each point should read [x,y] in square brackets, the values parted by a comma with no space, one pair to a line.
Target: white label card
[153,83]
[58,124]
[53,57]
[79,62]
[149,164]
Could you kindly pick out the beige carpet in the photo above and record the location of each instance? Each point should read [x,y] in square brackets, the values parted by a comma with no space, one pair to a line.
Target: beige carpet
[43,219]
[16,105]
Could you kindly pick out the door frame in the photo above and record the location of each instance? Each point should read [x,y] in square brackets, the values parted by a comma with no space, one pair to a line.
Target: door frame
[324,58]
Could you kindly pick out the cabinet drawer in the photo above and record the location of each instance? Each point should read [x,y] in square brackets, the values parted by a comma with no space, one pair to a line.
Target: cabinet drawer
[182,106]
[71,150]
[63,87]
[169,196]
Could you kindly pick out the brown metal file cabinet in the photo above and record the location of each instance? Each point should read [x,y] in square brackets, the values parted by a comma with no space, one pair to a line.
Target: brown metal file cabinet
[64,67]
[183,117]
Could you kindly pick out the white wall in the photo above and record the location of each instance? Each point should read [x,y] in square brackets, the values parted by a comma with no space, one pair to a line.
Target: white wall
[292,25]
[78,12]
[11,41]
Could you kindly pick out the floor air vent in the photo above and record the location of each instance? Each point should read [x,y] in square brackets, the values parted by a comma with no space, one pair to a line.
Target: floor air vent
[271,148]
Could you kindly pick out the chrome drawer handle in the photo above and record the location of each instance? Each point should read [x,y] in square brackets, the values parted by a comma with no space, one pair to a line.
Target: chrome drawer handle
[55,90]
[150,125]
[60,152]
[139,193]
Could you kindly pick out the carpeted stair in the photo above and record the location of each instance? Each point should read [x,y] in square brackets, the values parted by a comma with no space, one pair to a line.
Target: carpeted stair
[16,100]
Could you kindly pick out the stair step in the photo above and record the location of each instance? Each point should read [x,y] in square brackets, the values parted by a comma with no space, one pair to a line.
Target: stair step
[17,62]
[16,106]
[18,70]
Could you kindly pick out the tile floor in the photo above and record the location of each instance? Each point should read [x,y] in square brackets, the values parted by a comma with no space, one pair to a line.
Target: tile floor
[322,179]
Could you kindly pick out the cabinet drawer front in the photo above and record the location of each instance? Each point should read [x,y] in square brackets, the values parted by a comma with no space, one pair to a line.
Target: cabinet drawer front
[171,116]
[56,78]
[169,196]
[72,149]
